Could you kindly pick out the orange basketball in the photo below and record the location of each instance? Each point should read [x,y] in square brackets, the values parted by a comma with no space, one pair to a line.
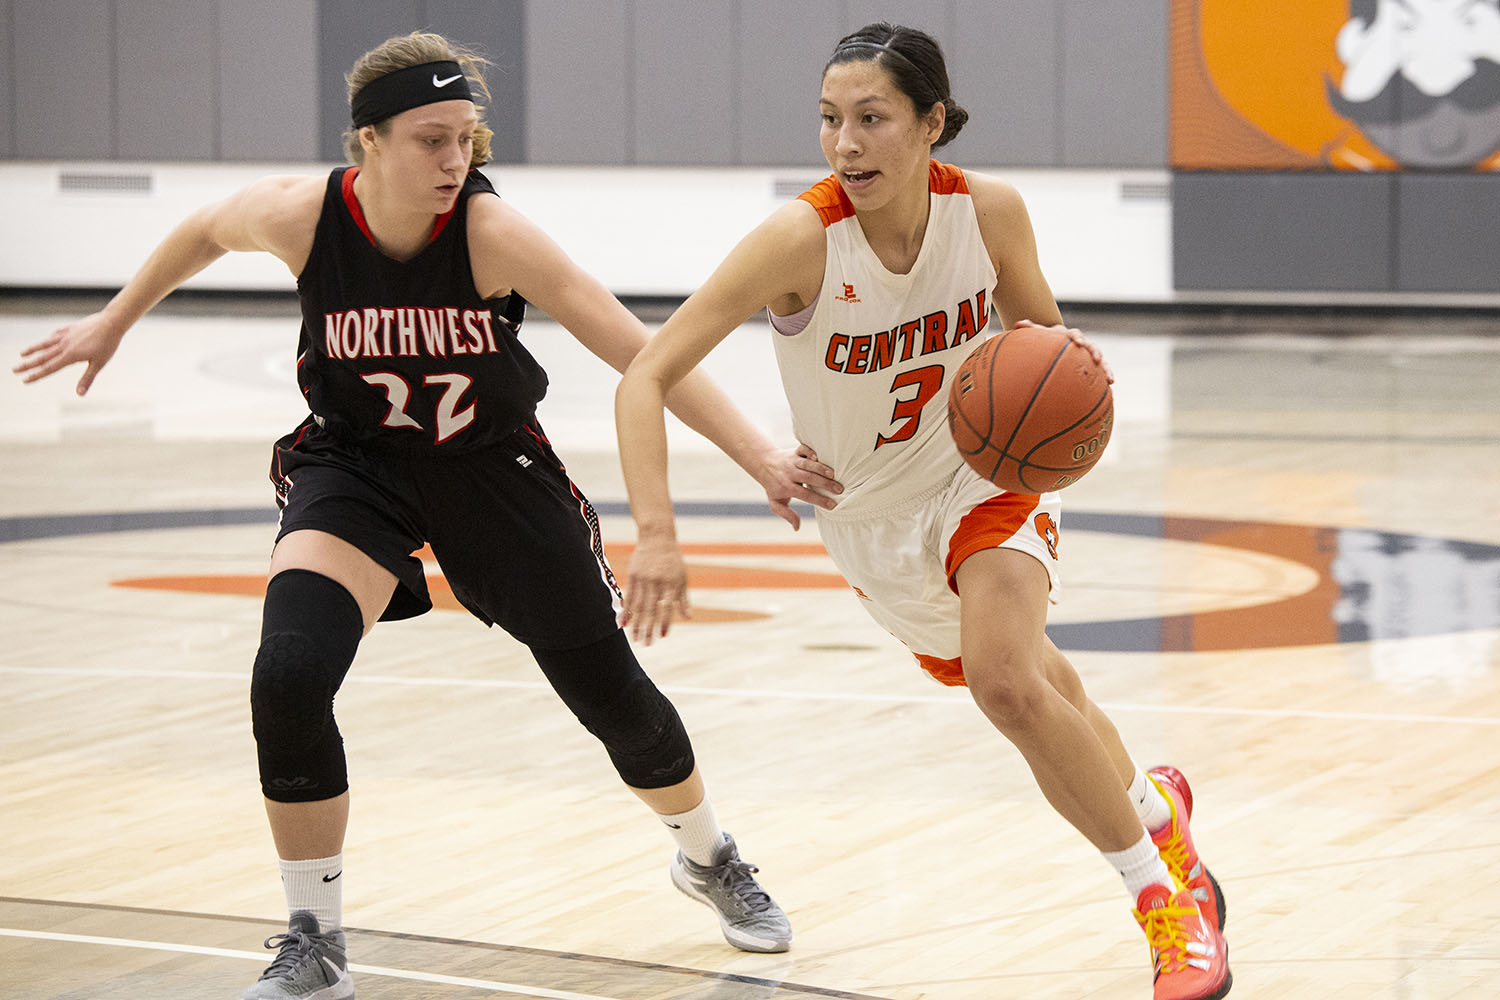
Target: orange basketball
[1030,410]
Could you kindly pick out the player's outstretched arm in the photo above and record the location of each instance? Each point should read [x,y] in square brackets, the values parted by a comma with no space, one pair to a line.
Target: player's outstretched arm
[509,251]
[263,216]
[762,268]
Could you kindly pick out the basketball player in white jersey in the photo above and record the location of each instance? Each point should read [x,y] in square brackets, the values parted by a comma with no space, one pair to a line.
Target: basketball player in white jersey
[880,281]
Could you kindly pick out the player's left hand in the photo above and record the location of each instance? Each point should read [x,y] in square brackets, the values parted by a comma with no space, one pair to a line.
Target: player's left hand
[655,590]
[796,474]
[1078,338]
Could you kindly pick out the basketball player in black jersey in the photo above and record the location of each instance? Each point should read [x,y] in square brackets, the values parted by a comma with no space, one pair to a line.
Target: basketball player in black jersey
[413,278]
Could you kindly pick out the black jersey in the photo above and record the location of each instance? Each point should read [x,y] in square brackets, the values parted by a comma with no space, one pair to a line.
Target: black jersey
[406,354]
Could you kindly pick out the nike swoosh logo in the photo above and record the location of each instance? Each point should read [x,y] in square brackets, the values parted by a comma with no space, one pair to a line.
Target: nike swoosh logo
[443,83]
[330,878]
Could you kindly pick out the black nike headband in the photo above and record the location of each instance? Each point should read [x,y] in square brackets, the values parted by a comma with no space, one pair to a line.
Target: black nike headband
[409,88]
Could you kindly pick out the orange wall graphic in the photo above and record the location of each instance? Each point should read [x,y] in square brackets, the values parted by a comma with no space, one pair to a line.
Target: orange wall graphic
[1335,85]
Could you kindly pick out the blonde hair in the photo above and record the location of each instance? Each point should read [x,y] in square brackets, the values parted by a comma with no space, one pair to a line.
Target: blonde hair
[413,50]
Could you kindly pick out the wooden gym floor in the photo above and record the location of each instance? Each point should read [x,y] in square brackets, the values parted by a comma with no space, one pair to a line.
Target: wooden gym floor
[1284,578]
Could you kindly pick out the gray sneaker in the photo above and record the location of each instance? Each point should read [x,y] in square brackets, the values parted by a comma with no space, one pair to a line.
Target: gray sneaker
[750,918]
[308,965]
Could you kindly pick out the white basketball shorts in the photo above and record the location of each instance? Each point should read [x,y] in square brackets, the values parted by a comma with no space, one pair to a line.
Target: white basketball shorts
[900,560]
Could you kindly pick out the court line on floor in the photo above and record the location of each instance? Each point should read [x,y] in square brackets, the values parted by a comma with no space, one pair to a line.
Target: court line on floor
[836,696]
[260,957]
[518,951]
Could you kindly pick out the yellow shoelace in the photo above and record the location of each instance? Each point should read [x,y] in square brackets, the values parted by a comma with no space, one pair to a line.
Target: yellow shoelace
[1166,932]
[1175,853]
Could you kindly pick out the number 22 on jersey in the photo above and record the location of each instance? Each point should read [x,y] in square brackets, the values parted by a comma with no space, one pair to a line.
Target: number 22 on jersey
[450,419]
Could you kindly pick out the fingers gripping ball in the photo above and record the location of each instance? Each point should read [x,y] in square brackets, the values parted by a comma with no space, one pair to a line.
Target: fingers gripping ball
[1030,410]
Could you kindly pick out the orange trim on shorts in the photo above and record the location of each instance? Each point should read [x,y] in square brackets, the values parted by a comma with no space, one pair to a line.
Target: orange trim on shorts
[987,526]
[949,672]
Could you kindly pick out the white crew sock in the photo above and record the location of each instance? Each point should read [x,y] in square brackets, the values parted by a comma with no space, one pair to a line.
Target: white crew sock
[1150,804]
[1140,866]
[696,831]
[316,886]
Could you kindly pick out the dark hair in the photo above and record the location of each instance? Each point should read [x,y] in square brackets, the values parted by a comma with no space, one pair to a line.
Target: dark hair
[915,62]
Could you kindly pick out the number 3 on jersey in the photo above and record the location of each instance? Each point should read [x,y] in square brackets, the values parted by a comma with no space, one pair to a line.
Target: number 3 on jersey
[928,381]
[450,420]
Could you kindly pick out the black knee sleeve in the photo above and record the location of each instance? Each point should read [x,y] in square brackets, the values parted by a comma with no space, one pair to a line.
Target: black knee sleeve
[308,636]
[611,695]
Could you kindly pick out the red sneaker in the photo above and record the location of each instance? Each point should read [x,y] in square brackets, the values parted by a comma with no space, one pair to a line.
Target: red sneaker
[1190,957]
[1167,774]
[1175,844]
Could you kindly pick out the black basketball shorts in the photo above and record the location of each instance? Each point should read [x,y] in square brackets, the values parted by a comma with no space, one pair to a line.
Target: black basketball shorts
[517,542]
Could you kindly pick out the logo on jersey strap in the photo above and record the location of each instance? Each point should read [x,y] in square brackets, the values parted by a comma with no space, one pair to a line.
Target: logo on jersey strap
[848,295]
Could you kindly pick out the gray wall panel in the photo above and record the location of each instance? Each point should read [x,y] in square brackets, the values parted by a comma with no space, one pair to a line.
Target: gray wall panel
[578,87]
[1007,73]
[268,80]
[347,29]
[7,82]
[1114,84]
[783,45]
[933,16]
[57,45]
[1282,232]
[496,29]
[1448,232]
[686,73]
[165,58]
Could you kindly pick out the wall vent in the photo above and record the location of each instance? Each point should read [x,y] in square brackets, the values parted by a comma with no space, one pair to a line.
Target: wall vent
[1145,191]
[94,182]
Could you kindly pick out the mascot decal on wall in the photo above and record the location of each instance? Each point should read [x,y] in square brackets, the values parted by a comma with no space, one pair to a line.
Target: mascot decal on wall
[1335,84]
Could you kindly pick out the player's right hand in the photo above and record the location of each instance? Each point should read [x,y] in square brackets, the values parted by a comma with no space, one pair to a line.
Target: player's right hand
[92,339]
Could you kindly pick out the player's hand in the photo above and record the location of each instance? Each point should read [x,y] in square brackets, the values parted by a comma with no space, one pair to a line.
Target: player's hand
[92,339]
[655,590]
[796,474]
[1078,338]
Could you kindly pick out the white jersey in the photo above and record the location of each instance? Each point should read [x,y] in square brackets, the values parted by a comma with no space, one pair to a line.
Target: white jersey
[868,377]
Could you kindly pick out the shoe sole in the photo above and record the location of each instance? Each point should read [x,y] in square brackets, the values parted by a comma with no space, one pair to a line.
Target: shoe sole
[343,990]
[732,934]
[1223,908]
[1223,990]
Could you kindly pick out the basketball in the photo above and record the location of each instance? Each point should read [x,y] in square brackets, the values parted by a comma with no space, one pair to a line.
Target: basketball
[1030,410]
